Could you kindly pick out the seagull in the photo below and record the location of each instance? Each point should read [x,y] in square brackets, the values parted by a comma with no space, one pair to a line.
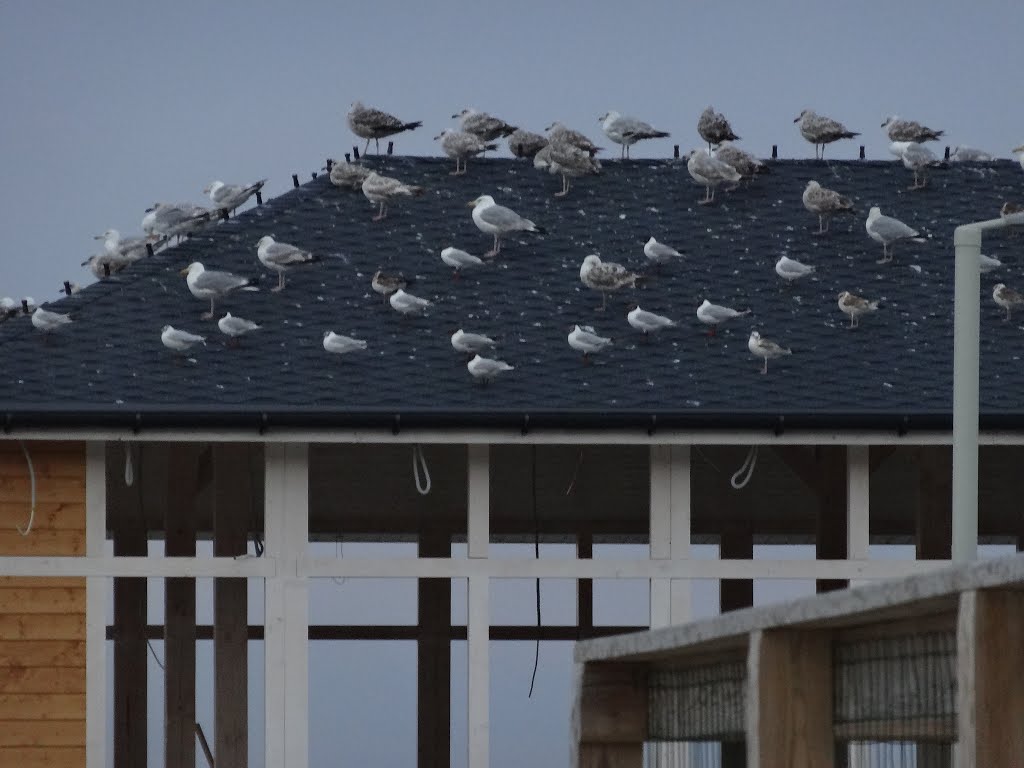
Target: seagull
[459,260]
[765,349]
[497,220]
[659,253]
[585,339]
[460,146]
[482,125]
[887,231]
[408,304]
[228,197]
[710,172]
[47,321]
[485,369]
[175,219]
[855,306]
[568,160]
[281,257]
[1019,152]
[825,202]
[605,276]
[212,284]
[9,308]
[368,123]
[715,314]
[714,128]
[472,343]
[627,131]
[235,327]
[916,157]
[559,132]
[128,248]
[1007,298]
[961,154]
[525,143]
[746,164]
[180,341]
[383,189]
[791,269]
[821,130]
[909,130]
[341,345]
[988,263]
[387,284]
[648,322]
[348,175]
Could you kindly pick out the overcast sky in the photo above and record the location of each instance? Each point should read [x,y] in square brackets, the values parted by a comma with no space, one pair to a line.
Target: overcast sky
[107,111]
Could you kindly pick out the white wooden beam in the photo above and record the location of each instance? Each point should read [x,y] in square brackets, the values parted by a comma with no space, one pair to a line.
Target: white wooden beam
[660,543]
[97,589]
[479,696]
[478,503]
[681,599]
[137,567]
[858,497]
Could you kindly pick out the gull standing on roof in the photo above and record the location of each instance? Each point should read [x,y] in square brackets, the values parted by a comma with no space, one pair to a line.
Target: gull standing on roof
[368,123]
[627,131]
[175,219]
[460,146]
[485,369]
[855,306]
[746,164]
[909,130]
[8,308]
[180,341]
[407,304]
[493,219]
[585,339]
[385,285]
[1007,298]
[648,322]
[710,172]
[525,143]
[1019,153]
[338,344]
[559,132]
[458,260]
[381,190]
[716,314]
[472,343]
[888,231]
[235,328]
[281,257]
[47,322]
[605,276]
[821,130]
[348,175]
[765,349]
[659,253]
[826,203]
[482,125]
[791,269]
[714,128]
[916,157]
[118,253]
[961,154]
[568,160]
[212,284]
[228,197]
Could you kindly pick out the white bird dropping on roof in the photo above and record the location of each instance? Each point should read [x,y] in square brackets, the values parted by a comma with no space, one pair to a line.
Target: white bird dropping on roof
[459,260]
[585,339]
[1007,298]
[180,341]
[482,125]
[605,276]
[826,203]
[369,123]
[627,131]
[211,284]
[281,257]
[855,306]
[235,327]
[407,304]
[659,253]
[888,231]
[648,322]
[381,190]
[228,197]
[716,314]
[765,349]
[47,321]
[916,157]
[338,344]
[460,146]
[485,369]
[471,343]
[493,219]
[791,269]
[909,130]
[821,130]
[714,128]
[709,171]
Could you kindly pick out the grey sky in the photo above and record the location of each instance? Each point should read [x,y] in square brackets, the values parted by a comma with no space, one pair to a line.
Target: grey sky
[108,111]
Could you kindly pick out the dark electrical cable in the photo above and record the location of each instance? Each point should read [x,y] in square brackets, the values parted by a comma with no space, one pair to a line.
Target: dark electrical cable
[536,554]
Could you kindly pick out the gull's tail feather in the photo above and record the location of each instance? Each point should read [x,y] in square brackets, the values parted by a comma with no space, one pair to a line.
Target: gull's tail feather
[411,126]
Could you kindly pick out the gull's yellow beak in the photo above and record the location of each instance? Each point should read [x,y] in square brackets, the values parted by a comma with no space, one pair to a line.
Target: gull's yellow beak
[472,203]
[184,271]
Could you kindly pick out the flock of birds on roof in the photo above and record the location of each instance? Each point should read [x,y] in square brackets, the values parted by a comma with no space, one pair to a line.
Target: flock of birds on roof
[562,151]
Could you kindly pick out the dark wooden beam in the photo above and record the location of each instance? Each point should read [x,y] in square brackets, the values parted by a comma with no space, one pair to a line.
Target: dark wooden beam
[934,519]
[734,594]
[585,589]
[412,632]
[433,648]
[831,539]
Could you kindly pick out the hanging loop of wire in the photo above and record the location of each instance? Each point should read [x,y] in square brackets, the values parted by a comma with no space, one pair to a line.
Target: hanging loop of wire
[420,472]
[32,480]
[742,475]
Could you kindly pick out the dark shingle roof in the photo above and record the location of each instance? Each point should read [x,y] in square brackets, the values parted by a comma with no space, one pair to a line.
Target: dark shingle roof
[110,365]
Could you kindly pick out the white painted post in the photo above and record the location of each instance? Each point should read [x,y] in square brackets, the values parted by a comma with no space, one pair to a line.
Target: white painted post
[478,503]
[681,610]
[96,590]
[286,598]
[660,532]
[858,501]
[478,620]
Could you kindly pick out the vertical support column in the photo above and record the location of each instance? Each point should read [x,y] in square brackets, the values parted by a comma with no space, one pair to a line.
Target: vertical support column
[934,537]
[833,511]
[990,666]
[609,716]
[681,609]
[858,501]
[478,620]
[789,701]
[286,634]
[433,655]
[96,590]
[733,595]
[232,505]
[660,531]
[584,589]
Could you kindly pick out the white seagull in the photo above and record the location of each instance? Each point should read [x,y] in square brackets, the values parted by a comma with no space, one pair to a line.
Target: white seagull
[472,343]
[458,260]
[1007,298]
[765,349]
[659,253]
[916,157]
[380,190]
[460,146]
[235,328]
[627,131]
[493,219]
[228,197]
[281,257]
[180,341]
[341,345]
[212,284]
[648,322]
[486,369]
[715,314]
[47,322]
[709,171]
[407,304]
[888,231]
[791,269]
[584,339]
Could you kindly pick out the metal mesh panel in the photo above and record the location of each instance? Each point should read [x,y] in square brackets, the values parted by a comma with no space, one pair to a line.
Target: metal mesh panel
[705,703]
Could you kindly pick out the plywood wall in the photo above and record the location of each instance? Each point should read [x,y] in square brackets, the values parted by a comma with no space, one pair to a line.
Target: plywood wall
[42,621]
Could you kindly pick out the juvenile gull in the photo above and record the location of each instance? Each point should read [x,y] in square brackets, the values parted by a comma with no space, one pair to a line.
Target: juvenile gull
[407,304]
[659,253]
[525,143]
[605,276]
[584,339]
[710,172]
[821,130]
[338,344]
[482,125]
[961,154]
[472,343]
[281,257]
[559,132]
[387,284]
[179,341]
[648,322]
[746,164]
[825,202]
[714,128]
[212,284]
[368,123]
[228,197]
[916,157]
[716,314]
[460,146]
[909,130]
[1007,298]
[348,175]
[485,369]
[175,219]
[569,161]
[493,219]
[627,131]
[47,322]
[765,349]
[458,260]
[791,269]
[888,231]
[855,306]
[235,327]
[383,189]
